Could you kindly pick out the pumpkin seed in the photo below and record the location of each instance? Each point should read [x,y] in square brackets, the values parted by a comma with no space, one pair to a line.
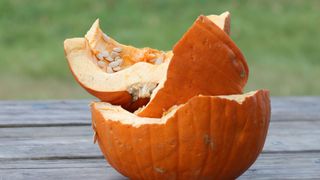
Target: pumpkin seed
[102,64]
[99,56]
[116,63]
[109,58]
[114,54]
[117,49]
[158,60]
[118,68]
[141,90]
[105,53]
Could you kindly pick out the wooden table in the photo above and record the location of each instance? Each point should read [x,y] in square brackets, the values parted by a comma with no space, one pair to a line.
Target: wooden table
[53,140]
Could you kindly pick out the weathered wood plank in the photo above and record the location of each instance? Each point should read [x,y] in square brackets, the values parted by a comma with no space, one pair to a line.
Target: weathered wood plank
[76,141]
[268,166]
[285,166]
[80,169]
[26,133]
[50,119]
[69,112]
[295,108]
[35,113]
[293,136]
[43,142]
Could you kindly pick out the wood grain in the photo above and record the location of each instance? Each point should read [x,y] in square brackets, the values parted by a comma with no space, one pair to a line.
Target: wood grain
[53,139]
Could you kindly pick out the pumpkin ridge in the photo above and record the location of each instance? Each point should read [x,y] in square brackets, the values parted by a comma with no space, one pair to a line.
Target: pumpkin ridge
[196,132]
[116,150]
[234,141]
[102,143]
[151,154]
[208,149]
[135,156]
[178,145]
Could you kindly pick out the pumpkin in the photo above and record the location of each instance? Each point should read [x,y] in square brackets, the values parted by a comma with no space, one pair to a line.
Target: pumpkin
[208,137]
[142,68]
[178,115]
[205,61]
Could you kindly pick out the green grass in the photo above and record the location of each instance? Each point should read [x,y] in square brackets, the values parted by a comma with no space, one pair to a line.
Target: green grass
[280,39]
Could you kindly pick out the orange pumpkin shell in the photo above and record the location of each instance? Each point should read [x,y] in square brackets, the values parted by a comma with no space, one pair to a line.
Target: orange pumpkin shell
[209,137]
[205,61]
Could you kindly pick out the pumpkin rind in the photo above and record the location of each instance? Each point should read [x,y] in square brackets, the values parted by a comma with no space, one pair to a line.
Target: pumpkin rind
[205,61]
[209,137]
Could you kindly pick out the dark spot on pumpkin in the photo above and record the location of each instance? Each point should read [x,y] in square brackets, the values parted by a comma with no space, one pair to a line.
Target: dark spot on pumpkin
[208,141]
[243,74]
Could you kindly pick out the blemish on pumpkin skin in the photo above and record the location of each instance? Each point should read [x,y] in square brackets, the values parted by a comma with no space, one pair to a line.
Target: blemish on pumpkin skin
[159,170]
[208,141]
[243,74]
[206,42]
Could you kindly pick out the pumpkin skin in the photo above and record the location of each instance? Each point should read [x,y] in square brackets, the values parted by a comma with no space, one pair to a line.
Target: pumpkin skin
[80,53]
[205,61]
[209,137]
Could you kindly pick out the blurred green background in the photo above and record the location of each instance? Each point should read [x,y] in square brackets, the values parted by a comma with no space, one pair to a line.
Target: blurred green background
[280,39]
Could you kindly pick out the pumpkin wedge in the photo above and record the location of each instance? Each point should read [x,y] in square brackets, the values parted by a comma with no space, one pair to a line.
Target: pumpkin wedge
[205,61]
[208,137]
[129,84]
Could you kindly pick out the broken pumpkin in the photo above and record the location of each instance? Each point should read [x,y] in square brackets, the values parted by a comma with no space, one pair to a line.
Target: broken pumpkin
[125,75]
[208,137]
[174,114]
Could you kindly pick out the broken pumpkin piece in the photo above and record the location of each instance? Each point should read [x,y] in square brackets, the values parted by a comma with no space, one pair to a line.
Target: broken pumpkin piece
[108,69]
[205,61]
[208,137]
